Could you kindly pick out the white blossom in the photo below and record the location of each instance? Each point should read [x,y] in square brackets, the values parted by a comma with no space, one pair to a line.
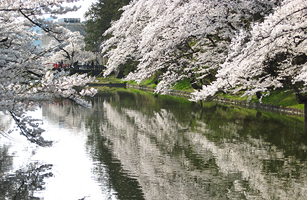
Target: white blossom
[274,57]
[24,79]
[69,50]
[188,38]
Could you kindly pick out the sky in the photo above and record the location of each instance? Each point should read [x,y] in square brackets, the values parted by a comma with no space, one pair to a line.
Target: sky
[85,4]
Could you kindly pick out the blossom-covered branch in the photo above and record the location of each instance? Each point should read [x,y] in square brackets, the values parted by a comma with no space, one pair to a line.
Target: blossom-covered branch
[274,57]
[179,39]
[24,79]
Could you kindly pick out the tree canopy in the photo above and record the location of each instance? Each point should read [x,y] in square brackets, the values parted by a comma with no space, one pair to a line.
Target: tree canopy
[179,39]
[98,20]
[70,50]
[274,57]
[24,77]
[221,46]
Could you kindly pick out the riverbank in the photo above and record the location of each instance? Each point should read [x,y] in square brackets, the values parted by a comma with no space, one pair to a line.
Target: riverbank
[234,102]
[280,97]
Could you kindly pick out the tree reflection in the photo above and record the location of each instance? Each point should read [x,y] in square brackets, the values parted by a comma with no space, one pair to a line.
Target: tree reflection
[6,161]
[67,113]
[26,125]
[30,128]
[181,151]
[126,187]
[148,147]
[24,182]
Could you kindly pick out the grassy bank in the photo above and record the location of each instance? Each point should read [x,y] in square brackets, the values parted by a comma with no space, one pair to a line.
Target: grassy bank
[278,97]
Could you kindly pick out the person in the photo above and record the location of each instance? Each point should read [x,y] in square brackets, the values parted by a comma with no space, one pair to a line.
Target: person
[61,64]
[92,65]
[75,65]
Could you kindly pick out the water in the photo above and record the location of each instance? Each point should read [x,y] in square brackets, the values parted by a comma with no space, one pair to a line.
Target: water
[142,146]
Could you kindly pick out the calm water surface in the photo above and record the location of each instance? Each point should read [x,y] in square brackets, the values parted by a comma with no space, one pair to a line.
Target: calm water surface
[141,146]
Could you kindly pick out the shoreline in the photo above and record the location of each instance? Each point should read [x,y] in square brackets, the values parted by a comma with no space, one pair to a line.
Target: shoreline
[240,103]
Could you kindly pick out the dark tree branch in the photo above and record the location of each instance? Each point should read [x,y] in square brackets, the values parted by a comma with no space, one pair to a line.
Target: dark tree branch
[209,37]
[4,40]
[67,54]
[36,74]
[44,28]
[30,134]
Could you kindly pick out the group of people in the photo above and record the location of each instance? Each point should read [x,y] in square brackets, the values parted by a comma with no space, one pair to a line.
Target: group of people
[90,65]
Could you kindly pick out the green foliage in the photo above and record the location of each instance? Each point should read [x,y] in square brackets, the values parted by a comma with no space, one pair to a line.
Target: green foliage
[98,20]
[126,68]
[184,84]
[238,96]
[152,81]
[281,97]
[149,82]
[192,42]
[102,90]
[108,80]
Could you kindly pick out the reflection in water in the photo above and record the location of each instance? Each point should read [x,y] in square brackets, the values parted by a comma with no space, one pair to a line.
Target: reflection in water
[5,124]
[138,146]
[24,182]
[215,153]
[6,161]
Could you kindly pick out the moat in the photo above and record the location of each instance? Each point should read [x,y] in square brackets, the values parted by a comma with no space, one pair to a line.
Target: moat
[137,145]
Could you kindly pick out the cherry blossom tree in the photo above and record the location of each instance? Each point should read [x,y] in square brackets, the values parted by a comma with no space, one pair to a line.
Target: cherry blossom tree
[24,79]
[275,57]
[70,50]
[179,39]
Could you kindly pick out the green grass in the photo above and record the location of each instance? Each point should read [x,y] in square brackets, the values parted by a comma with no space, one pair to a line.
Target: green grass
[284,98]
[149,82]
[184,85]
[238,96]
[109,80]
[279,97]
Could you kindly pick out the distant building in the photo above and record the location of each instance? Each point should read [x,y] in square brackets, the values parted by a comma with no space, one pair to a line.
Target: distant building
[73,24]
[70,20]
